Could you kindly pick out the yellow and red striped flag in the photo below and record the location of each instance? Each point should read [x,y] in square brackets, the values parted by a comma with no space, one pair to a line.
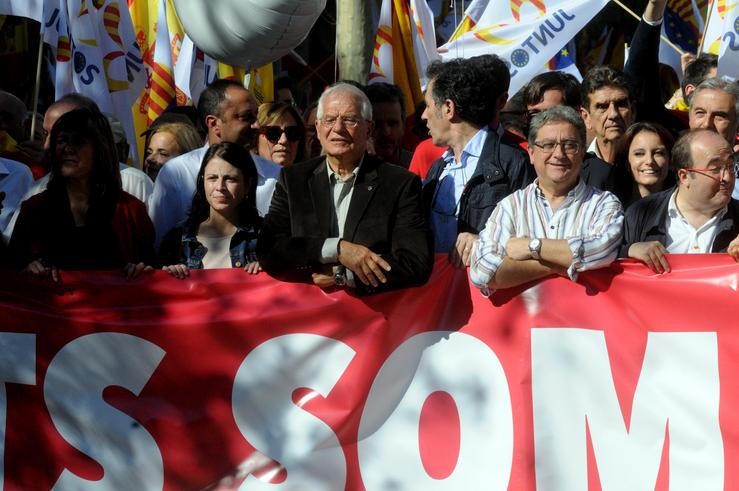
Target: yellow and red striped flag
[404,45]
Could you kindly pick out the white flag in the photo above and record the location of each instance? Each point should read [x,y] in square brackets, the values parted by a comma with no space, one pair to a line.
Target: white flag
[526,35]
[96,54]
[722,37]
[33,9]
[424,37]
[194,70]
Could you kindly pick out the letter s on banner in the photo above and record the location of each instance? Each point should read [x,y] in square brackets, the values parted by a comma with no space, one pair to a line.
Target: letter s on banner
[468,370]
[73,391]
[17,366]
[269,420]
[678,389]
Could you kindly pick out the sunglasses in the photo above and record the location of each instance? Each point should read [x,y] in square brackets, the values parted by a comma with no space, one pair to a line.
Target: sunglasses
[273,133]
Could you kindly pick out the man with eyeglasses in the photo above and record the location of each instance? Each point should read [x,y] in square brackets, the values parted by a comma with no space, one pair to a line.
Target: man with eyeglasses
[463,101]
[697,216]
[229,112]
[346,218]
[556,88]
[558,225]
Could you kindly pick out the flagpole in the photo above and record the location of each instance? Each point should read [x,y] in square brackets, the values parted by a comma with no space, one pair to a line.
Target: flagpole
[705,27]
[669,43]
[37,87]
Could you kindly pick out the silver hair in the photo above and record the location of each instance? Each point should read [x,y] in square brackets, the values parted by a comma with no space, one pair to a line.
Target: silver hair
[717,83]
[364,102]
[563,114]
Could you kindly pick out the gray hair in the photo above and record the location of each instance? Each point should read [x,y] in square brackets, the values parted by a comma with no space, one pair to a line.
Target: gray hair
[364,102]
[717,83]
[556,114]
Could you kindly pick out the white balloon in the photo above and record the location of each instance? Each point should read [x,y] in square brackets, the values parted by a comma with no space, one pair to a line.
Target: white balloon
[248,33]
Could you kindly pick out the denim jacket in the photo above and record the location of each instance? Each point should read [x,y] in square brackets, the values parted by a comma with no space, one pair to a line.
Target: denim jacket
[243,248]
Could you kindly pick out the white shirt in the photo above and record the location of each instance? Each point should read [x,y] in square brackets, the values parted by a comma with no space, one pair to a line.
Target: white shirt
[133,181]
[175,186]
[448,194]
[15,180]
[173,191]
[683,238]
[594,148]
[218,252]
[590,219]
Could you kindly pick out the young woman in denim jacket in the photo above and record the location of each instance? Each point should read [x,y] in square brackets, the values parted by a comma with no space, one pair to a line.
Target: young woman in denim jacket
[221,229]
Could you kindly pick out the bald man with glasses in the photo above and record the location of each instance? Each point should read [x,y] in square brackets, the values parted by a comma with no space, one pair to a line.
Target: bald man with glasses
[698,216]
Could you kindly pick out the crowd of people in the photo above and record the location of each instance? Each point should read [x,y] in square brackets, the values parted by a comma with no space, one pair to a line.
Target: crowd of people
[562,177]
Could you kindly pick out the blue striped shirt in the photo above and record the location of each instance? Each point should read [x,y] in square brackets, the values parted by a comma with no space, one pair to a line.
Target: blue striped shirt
[589,219]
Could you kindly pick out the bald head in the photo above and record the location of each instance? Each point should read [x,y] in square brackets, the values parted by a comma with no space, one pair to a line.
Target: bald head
[12,115]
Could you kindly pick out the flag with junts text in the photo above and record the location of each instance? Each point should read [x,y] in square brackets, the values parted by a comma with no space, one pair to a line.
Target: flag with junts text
[526,34]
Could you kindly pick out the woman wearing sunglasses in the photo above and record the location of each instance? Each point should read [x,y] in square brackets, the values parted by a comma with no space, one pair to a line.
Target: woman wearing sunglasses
[281,133]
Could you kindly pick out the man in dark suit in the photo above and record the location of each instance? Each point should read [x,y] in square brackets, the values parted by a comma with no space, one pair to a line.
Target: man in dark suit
[346,218]
[698,216]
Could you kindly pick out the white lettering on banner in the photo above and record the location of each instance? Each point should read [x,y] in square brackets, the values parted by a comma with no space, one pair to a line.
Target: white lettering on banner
[17,366]
[265,414]
[471,373]
[677,392]
[73,391]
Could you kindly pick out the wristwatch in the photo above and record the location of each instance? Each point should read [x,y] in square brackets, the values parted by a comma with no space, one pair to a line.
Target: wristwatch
[535,248]
[340,276]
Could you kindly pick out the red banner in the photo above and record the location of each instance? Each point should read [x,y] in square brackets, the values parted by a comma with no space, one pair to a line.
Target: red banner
[624,380]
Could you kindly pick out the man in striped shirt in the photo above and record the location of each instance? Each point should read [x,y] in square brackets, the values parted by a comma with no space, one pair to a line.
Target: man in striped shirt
[558,225]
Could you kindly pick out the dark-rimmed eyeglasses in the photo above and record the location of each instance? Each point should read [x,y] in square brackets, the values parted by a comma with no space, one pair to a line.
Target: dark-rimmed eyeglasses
[273,133]
[548,146]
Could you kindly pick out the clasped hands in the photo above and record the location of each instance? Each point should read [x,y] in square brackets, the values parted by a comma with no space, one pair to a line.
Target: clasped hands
[367,266]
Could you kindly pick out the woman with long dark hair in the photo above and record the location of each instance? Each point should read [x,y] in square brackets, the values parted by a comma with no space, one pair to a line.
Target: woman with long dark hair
[84,220]
[643,162]
[221,229]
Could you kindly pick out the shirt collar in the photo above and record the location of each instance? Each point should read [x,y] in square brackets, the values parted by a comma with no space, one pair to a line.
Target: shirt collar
[473,148]
[573,194]
[594,148]
[334,177]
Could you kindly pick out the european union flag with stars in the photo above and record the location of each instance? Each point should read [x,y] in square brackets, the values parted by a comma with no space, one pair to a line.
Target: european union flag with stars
[680,31]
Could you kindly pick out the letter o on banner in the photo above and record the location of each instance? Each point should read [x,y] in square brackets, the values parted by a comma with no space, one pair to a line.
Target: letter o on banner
[248,33]
[429,363]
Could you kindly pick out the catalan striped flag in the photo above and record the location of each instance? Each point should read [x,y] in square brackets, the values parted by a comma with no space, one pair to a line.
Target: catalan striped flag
[162,89]
[404,45]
